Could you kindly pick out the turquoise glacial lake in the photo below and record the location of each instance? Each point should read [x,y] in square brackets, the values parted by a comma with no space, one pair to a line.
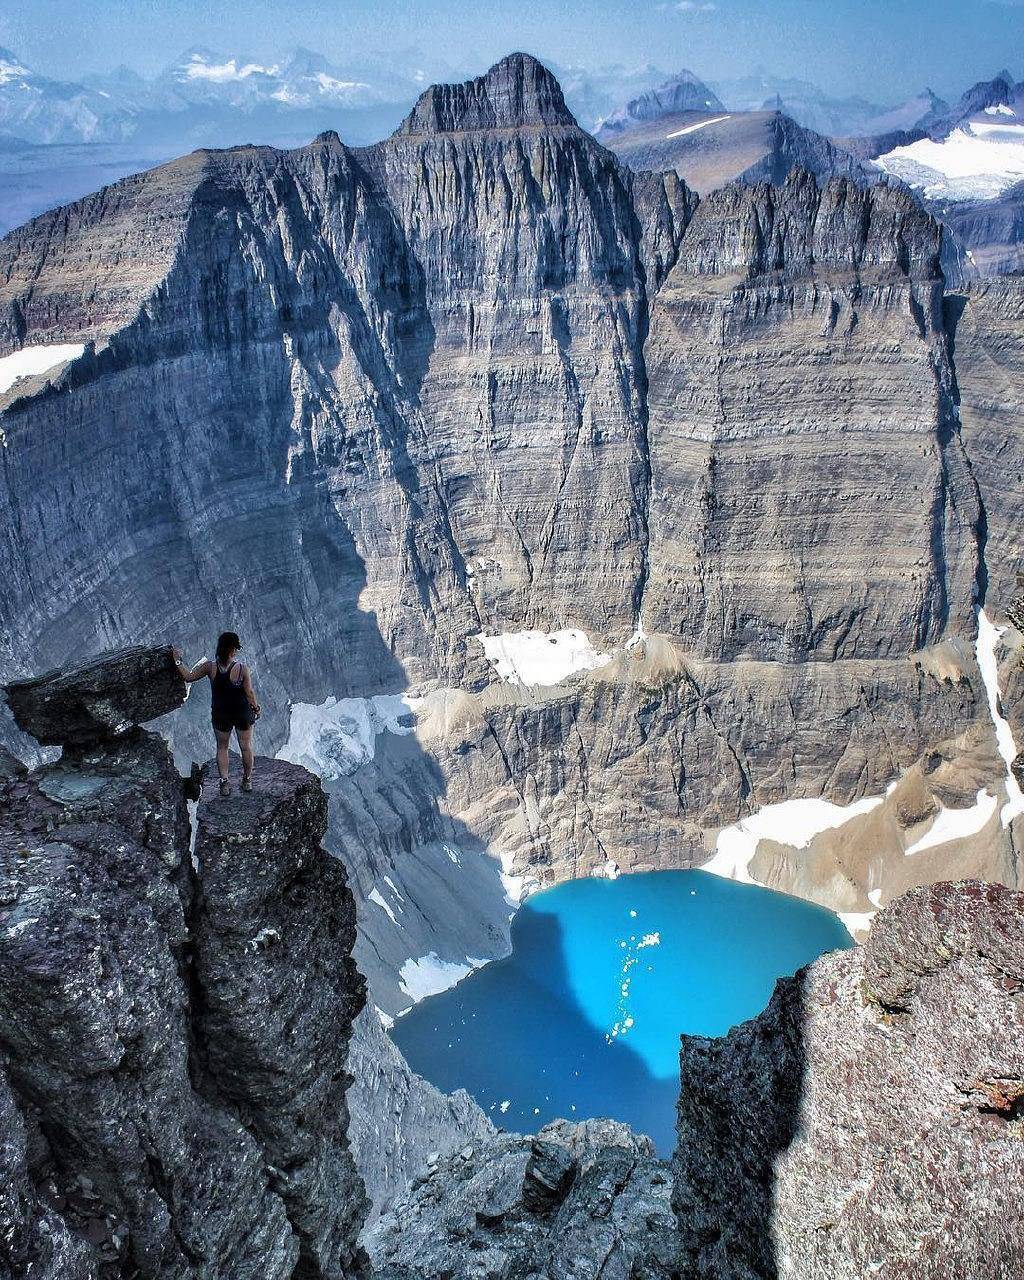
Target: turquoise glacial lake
[584,1017]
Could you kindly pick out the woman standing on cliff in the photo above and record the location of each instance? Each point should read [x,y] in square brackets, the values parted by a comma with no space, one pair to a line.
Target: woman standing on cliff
[234,708]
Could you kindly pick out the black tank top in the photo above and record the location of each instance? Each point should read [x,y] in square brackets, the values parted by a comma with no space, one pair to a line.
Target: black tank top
[228,698]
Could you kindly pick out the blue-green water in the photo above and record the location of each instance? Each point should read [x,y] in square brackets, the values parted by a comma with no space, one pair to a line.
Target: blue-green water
[584,1017]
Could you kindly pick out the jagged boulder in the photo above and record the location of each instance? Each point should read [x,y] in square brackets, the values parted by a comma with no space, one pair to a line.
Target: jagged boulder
[869,1121]
[584,1200]
[99,699]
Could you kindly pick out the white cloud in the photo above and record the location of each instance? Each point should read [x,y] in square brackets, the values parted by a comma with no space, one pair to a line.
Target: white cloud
[225,72]
[694,6]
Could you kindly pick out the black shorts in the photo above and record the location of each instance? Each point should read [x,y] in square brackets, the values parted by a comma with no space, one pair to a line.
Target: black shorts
[224,722]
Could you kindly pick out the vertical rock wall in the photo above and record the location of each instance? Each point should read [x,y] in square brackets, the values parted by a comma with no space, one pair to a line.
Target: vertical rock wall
[173,1045]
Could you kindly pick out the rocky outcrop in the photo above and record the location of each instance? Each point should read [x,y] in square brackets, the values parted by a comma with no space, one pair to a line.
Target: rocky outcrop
[174,1041]
[868,1122]
[95,700]
[517,93]
[273,926]
[583,1200]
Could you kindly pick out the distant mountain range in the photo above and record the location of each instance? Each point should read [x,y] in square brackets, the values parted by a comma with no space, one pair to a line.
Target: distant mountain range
[204,99]
[210,98]
[59,140]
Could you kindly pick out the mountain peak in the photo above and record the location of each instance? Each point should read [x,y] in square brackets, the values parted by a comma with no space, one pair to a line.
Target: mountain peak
[516,93]
[681,92]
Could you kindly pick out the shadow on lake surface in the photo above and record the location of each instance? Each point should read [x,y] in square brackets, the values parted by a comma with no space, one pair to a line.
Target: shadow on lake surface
[583,1018]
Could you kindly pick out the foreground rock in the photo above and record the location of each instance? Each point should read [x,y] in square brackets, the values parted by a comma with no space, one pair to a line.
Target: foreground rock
[172,1047]
[95,700]
[397,1119]
[583,1200]
[869,1122]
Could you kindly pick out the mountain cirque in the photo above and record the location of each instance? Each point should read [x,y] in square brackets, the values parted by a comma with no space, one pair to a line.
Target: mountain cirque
[365,405]
[176,1100]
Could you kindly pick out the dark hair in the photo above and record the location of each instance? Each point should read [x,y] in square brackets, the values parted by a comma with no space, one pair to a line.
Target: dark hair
[227,643]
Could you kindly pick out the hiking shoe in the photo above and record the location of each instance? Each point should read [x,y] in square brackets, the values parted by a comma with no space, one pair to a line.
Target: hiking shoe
[225,787]
[247,784]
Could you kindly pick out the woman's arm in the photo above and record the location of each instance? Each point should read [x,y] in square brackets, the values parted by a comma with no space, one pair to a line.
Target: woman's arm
[247,686]
[198,671]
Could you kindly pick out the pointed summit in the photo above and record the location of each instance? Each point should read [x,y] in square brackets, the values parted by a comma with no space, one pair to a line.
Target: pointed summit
[517,93]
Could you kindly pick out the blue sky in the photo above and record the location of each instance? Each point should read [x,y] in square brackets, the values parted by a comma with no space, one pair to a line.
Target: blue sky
[881,48]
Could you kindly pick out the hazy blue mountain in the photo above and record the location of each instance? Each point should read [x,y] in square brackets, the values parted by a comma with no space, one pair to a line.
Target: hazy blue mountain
[679,93]
[806,103]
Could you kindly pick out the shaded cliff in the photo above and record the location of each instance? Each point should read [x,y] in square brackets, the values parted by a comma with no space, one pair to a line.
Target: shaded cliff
[174,1028]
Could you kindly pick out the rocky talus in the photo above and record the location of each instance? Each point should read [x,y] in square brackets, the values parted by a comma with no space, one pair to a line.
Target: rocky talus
[368,405]
[869,1122]
[582,1200]
[173,1029]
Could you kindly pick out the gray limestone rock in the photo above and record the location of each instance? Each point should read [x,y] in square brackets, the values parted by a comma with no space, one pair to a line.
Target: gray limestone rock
[397,1119]
[273,927]
[868,1122]
[125,983]
[481,378]
[99,699]
[585,1201]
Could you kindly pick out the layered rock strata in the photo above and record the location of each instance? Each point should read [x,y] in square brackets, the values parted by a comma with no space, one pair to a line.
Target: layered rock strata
[869,1121]
[364,406]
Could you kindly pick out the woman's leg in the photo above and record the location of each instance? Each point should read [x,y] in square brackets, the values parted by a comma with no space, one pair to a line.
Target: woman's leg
[223,743]
[245,746]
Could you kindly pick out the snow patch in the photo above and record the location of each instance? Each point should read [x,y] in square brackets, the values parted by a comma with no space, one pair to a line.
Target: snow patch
[1000,110]
[12,71]
[692,128]
[376,896]
[977,162]
[791,822]
[517,887]
[339,736]
[955,824]
[856,921]
[329,84]
[985,650]
[430,975]
[607,871]
[541,658]
[225,72]
[33,361]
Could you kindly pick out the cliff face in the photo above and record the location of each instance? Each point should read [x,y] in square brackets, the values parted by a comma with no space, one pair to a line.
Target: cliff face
[868,1122]
[174,1030]
[364,406]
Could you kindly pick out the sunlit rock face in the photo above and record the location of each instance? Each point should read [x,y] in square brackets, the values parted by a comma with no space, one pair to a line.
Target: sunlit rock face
[868,1122]
[369,406]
